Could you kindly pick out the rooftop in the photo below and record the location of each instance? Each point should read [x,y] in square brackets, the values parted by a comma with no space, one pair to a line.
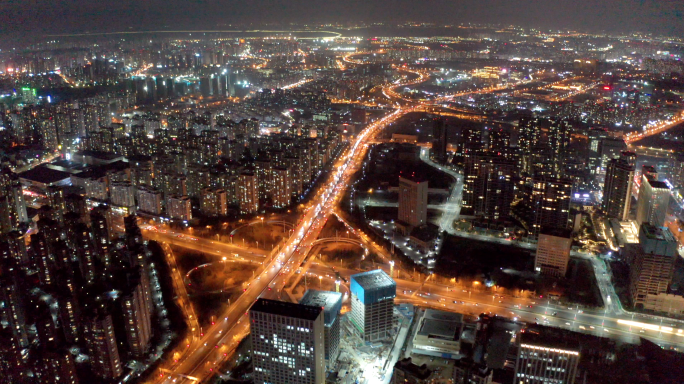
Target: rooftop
[412,177]
[376,278]
[331,302]
[283,308]
[557,232]
[446,325]
[658,184]
[421,372]
[657,233]
[550,337]
[45,175]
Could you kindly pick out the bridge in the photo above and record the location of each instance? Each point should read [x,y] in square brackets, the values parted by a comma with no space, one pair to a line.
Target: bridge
[285,224]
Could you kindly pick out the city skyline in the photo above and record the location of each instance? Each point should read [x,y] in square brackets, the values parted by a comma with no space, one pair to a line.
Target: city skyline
[501,205]
[80,16]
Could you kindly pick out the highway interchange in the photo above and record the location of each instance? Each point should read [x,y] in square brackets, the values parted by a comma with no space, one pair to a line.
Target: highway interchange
[204,353]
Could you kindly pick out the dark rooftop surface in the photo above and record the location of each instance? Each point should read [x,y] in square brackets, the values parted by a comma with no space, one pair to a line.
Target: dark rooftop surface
[658,184]
[413,177]
[43,174]
[551,338]
[446,325]
[282,308]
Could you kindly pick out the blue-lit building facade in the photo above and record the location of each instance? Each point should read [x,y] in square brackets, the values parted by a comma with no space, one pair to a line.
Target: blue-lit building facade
[372,297]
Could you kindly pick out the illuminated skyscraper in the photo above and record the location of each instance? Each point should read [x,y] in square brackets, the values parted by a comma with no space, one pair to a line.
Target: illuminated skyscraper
[553,252]
[652,270]
[288,343]
[372,297]
[617,190]
[545,358]
[653,201]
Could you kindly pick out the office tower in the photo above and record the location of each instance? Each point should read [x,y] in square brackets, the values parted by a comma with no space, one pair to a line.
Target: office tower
[653,201]
[281,187]
[629,157]
[288,344]
[547,204]
[98,332]
[610,148]
[214,202]
[617,189]
[372,296]
[553,251]
[466,371]
[649,172]
[331,302]
[136,315]
[488,188]
[150,200]
[653,267]
[595,136]
[439,140]
[179,207]
[544,357]
[11,202]
[413,200]
[559,141]
[248,193]
[405,372]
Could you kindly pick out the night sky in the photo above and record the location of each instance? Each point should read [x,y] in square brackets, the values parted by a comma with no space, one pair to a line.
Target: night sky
[59,16]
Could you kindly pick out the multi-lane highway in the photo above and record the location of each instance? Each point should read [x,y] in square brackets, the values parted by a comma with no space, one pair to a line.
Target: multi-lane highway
[221,338]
